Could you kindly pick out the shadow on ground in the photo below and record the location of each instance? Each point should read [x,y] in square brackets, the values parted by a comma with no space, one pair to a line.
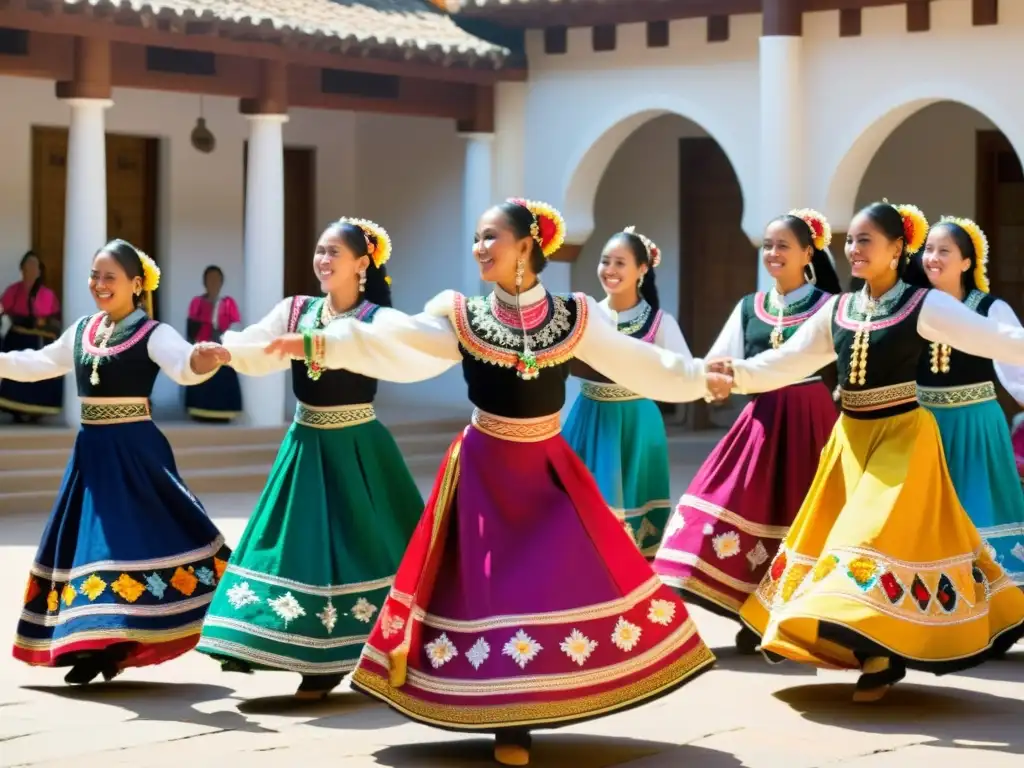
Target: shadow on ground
[939,713]
[159,702]
[344,710]
[732,660]
[556,750]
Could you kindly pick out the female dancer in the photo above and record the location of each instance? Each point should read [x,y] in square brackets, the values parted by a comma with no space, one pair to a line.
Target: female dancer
[321,549]
[209,316]
[35,321]
[129,560]
[882,569]
[729,523]
[959,390]
[520,602]
[619,435]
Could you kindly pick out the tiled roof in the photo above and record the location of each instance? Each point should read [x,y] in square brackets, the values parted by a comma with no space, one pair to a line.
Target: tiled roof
[410,27]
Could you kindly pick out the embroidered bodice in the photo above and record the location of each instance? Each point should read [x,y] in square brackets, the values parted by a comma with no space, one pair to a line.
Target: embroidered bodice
[334,387]
[118,366]
[490,335]
[942,366]
[770,319]
[640,322]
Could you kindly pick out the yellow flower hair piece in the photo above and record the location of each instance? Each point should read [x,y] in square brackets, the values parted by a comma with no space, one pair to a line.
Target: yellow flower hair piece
[150,273]
[915,227]
[548,227]
[379,252]
[653,251]
[821,230]
[980,242]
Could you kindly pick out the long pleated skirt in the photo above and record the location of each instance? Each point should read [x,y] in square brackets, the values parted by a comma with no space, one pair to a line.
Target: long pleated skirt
[219,398]
[35,398]
[128,555]
[728,525]
[882,560]
[319,554]
[521,601]
[622,441]
[981,463]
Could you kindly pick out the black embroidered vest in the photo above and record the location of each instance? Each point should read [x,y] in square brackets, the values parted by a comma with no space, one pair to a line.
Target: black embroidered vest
[760,319]
[124,368]
[963,369]
[334,387]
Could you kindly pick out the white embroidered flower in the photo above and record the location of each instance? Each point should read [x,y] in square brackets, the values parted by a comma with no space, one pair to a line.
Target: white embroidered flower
[578,646]
[726,544]
[287,607]
[328,616]
[441,651]
[1018,551]
[626,635]
[479,653]
[522,648]
[390,624]
[661,612]
[241,595]
[363,610]
[675,525]
[708,529]
[758,556]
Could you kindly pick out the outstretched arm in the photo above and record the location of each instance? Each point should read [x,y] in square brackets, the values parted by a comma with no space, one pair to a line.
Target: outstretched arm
[181,361]
[53,360]
[247,345]
[947,321]
[1010,376]
[808,351]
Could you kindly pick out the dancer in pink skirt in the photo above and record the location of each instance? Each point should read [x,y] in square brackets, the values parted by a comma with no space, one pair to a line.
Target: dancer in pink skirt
[728,525]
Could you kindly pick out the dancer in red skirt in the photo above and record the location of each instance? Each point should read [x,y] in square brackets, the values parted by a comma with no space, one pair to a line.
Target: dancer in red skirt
[521,603]
[728,525]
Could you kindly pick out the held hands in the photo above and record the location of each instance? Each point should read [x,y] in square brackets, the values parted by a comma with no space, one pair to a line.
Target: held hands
[208,357]
[291,345]
[719,379]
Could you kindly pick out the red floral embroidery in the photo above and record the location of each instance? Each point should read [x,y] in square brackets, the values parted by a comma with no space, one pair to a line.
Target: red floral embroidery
[778,566]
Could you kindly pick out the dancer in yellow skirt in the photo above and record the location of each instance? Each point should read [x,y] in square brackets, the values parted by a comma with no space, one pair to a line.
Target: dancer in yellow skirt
[882,569]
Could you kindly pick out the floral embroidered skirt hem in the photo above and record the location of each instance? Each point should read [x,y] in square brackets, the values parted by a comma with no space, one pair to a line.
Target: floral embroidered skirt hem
[219,398]
[30,398]
[883,560]
[128,555]
[728,525]
[521,602]
[623,444]
[319,554]
[979,455]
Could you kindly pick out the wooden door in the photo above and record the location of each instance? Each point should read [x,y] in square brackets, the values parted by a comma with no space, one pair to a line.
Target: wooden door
[718,263]
[1000,212]
[132,167]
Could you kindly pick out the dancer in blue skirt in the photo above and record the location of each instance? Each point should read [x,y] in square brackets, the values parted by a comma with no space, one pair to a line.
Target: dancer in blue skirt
[129,560]
[620,435]
[959,389]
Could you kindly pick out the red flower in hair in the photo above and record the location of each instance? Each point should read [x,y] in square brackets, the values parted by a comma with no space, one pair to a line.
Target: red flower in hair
[816,227]
[908,229]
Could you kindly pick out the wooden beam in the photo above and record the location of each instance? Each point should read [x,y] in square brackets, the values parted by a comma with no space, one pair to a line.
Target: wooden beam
[919,16]
[106,29]
[782,18]
[91,74]
[272,98]
[556,40]
[602,38]
[718,29]
[537,16]
[985,13]
[850,22]
[482,120]
[657,34]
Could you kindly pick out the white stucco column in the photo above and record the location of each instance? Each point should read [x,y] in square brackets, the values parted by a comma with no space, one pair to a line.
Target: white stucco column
[783,112]
[263,397]
[477,197]
[85,217]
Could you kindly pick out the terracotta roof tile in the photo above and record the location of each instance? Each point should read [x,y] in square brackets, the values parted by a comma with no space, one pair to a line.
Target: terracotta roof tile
[411,26]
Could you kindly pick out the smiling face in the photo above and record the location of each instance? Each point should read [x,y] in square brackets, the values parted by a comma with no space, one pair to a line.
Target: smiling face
[112,289]
[497,250]
[943,261]
[618,269]
[869,250]
[783,256]
[335,264]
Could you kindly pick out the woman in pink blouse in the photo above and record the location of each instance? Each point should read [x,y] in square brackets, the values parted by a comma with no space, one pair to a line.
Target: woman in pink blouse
[34,314]
[209,315]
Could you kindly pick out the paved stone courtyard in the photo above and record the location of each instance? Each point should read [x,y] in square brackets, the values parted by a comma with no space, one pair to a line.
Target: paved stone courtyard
[742,714]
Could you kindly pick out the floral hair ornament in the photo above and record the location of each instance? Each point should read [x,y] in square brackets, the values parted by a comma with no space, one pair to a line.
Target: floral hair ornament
[380,251]
[653,251]
[150,273]
[915,226]
[981,247]
[548,227]
[821,230]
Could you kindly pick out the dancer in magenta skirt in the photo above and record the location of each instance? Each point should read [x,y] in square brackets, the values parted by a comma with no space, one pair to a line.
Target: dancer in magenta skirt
[521,602]
[728,525]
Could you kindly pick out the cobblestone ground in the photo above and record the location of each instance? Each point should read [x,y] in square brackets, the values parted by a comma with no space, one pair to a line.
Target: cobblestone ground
[744,713]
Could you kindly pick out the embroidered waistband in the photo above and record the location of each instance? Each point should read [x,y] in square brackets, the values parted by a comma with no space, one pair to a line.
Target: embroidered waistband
[334,417]
[951,397]
[879,398]
[606,392]
[42,333]
[104,411]
[517,430]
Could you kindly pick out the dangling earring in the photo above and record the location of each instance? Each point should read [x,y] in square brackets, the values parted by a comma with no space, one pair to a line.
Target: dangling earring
[640,282]
[362,280]
[812,276]
[520,268]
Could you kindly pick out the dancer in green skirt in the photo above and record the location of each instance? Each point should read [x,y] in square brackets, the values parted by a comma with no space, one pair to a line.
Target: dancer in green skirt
[317,559]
